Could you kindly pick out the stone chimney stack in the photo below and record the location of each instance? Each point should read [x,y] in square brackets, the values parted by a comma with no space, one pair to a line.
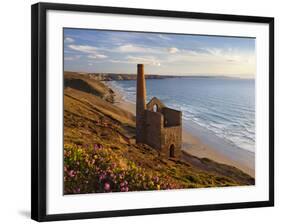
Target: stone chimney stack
[140,105]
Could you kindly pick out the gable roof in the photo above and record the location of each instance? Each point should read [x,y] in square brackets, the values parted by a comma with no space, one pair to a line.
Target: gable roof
[154,101]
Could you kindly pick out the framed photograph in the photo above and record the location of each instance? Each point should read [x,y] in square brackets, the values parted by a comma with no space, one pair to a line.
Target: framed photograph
[140,111]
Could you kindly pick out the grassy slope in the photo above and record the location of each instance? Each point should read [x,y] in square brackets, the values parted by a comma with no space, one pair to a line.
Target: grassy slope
[92,122]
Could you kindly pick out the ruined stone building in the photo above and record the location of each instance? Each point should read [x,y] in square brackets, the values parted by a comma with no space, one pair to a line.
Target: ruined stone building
[157,125]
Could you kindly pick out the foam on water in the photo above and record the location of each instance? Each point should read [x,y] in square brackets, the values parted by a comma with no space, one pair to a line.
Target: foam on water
[224,106]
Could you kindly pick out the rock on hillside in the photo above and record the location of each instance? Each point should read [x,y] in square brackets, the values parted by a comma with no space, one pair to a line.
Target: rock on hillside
[85,84]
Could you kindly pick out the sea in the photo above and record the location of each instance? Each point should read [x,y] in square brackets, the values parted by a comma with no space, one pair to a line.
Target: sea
[224,106]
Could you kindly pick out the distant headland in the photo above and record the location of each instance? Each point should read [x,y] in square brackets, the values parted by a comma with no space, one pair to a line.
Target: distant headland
[120,76]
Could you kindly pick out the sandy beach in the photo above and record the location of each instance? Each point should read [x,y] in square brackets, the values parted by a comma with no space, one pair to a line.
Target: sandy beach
[201,143]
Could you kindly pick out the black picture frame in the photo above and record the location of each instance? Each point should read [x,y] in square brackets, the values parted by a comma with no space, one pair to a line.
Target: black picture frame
[38,108]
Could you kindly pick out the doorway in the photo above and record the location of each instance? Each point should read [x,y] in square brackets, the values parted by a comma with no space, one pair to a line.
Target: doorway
[172,150]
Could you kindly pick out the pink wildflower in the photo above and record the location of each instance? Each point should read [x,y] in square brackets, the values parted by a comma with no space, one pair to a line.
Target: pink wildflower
[71,173]
[107,186]
[156,179]
[101,177]
[97,146]
[124,189]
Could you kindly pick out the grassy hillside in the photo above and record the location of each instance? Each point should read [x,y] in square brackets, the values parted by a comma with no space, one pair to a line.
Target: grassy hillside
[100,154]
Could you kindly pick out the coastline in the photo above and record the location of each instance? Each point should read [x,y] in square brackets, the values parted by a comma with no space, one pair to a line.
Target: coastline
[202,143]
[120,101]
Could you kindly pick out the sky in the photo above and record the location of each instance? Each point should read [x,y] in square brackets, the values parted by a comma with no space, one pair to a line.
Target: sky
[102,51]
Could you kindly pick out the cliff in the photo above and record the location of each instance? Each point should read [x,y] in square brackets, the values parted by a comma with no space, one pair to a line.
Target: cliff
[100,154]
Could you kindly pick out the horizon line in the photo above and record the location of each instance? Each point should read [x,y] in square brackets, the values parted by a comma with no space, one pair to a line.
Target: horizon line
[246,76]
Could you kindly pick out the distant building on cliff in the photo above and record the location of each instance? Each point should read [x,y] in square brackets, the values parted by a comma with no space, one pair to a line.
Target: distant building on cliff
[157,125]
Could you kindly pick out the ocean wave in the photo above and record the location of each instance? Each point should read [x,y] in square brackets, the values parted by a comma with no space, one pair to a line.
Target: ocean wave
[230,116]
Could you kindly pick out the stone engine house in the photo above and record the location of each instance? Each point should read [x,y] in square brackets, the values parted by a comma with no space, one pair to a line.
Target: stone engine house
[157,125]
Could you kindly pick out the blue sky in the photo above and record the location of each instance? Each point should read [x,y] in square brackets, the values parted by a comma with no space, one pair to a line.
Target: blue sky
[165,54]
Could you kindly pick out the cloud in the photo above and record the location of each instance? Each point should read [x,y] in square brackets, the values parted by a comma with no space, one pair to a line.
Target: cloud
[211,57]
[97,56]
[68,40]
[173,50]
[214,51]
[93,52]
[139,60]
[129,48]
[144,60]
[72,58]
[231,60]
[83,48]
[164,37]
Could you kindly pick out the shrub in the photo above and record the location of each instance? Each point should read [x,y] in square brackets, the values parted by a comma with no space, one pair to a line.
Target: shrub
[94,168]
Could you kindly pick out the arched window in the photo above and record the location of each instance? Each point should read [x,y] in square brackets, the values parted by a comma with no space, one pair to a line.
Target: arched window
[155,108]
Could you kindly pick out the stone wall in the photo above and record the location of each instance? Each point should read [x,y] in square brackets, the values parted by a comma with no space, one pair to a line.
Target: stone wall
[160,137]
[155,101]
[154,126]
[171,136]
[171,117]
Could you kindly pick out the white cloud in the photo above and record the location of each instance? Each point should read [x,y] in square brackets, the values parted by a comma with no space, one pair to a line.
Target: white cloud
[92,51]
[144,60]
[173,50]
[83,48]
[164,37]
[213,60]
[97,56]
[68,40]
[139,60]
[214,51]
[129,48]
[72,58]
